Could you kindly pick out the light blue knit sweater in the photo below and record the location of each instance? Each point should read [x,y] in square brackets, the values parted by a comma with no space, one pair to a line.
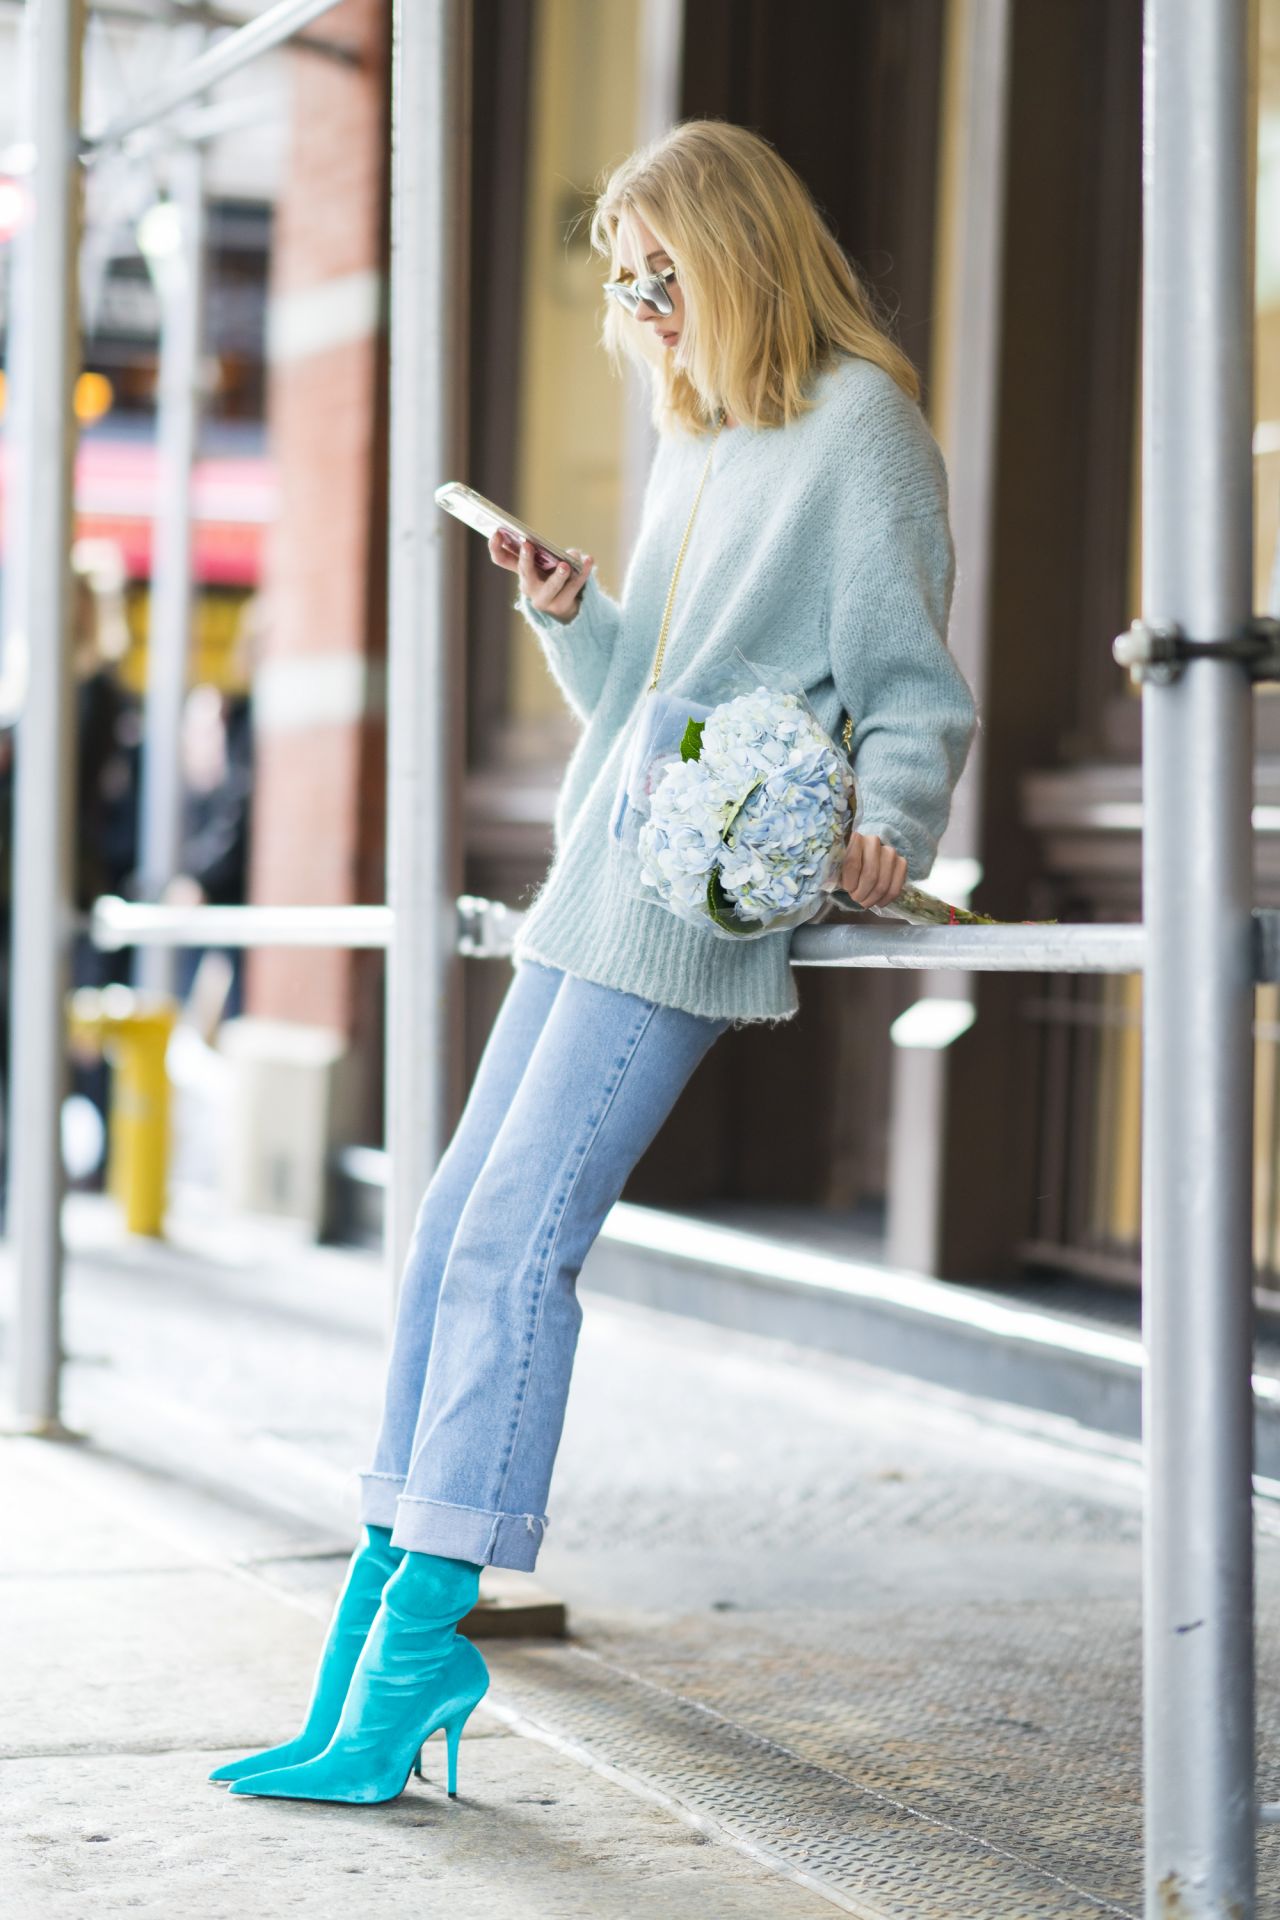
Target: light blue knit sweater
[822,548]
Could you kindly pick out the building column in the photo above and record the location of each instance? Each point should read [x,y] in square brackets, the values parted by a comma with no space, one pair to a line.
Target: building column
[319,681]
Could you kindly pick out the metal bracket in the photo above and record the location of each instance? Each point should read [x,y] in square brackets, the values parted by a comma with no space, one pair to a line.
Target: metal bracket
[1157,650]
[485,928]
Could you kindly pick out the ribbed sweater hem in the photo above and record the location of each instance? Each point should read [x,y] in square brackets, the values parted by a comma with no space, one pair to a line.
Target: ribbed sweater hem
[637,946]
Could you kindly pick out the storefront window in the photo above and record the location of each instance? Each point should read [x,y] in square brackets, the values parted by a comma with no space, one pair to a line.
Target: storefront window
[571,429]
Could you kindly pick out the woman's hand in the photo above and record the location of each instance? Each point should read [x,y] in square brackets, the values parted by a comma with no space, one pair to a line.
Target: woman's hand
[872,874]
[555,592]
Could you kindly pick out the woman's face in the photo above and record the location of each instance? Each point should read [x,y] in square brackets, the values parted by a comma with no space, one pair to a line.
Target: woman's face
[667,326]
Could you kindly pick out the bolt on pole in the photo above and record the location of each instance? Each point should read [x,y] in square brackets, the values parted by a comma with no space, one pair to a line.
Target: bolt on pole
[41,628]
[1197,356]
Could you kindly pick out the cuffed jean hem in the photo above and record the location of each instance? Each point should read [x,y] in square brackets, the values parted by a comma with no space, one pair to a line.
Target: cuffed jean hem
[485,1537]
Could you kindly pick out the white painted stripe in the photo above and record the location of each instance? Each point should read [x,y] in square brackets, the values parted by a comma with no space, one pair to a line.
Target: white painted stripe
[733,1250]
[330,314]
[292,691]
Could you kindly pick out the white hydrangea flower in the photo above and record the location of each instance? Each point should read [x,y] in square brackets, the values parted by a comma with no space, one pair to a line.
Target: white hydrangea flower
[680,841]
[743,737]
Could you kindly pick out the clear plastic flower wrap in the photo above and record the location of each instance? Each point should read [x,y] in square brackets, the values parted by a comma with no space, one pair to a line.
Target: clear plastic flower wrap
[733,811]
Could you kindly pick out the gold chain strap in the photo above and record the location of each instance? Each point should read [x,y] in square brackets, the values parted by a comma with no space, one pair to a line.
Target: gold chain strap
[671,591]
[847,729]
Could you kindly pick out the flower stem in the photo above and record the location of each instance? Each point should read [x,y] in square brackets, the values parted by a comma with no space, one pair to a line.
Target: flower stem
[921,909]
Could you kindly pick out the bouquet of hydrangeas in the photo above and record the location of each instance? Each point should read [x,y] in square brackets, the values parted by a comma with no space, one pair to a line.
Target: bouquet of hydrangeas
[736,815]
[746,826]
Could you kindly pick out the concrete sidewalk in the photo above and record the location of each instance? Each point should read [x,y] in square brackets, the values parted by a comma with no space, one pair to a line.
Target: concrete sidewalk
[133,1666]
[836,1638]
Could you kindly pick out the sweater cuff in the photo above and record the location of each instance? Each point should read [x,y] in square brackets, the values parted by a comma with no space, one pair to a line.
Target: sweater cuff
[589,623]
[905,835]
[580,653]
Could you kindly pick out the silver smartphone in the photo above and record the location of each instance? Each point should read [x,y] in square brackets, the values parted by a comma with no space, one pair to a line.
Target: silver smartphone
[486,518]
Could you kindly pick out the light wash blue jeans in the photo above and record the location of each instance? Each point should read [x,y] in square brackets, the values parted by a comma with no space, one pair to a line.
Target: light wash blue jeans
[573,1084]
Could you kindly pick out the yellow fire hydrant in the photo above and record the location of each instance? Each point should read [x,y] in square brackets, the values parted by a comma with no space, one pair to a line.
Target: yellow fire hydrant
[131,1030]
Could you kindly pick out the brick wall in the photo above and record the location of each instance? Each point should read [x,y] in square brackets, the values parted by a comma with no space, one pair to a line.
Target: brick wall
[319,710]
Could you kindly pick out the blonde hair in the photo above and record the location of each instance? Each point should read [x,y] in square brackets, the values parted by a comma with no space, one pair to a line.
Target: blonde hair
[770,295]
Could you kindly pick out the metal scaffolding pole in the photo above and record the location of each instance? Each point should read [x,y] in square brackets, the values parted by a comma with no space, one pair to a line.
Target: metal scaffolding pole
[427,372]
[259,35]
[45,761]
[17,420]
[177,265]
[1198,991]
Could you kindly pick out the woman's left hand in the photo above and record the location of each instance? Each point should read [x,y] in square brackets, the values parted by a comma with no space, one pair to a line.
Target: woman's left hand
[872,874]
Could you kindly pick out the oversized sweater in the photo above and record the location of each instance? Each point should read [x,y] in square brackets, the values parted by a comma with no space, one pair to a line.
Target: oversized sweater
[823,549]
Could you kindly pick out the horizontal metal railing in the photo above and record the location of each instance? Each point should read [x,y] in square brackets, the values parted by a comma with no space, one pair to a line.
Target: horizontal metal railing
[487,929]
[116,923]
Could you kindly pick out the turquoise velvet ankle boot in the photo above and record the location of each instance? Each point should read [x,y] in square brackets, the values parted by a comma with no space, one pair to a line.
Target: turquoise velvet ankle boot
[415,1674]
[371,1566]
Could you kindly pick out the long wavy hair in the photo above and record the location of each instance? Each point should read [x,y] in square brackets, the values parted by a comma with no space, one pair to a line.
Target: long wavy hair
[771,298]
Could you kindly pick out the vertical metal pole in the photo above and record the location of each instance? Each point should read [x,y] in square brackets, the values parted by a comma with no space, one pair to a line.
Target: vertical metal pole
[17,420]
[1198,993]
[45,762]
[430,92]
[181,281]
[659,53]
[926,1081]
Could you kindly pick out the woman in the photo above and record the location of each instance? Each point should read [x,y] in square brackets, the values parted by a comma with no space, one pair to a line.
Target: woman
[822,546]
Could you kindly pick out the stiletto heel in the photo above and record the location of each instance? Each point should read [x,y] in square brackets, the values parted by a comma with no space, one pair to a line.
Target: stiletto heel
[417,1765]
[453,1735]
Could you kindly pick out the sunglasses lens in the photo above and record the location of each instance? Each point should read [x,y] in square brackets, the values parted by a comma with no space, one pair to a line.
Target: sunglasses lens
[652,290]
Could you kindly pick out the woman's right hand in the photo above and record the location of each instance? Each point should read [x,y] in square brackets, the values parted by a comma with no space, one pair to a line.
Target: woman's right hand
[556,593]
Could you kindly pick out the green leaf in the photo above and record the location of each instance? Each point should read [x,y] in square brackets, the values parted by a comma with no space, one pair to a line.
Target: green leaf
[691,744]
[721,908]
[725,829]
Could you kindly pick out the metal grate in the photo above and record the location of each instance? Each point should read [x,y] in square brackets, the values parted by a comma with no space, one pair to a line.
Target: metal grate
[953,1758]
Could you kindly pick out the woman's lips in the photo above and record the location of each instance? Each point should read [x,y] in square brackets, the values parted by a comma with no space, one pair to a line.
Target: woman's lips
[667,338]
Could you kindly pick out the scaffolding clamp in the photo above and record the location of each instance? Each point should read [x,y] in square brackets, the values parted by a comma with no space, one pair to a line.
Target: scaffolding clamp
[1156,650]
[484,927]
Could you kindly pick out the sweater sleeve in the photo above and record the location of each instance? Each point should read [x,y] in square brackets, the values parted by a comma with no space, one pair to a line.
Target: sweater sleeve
[578,654]
[914,714]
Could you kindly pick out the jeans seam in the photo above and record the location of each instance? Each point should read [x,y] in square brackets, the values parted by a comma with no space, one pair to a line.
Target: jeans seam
[457,1506]
[634,1041]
